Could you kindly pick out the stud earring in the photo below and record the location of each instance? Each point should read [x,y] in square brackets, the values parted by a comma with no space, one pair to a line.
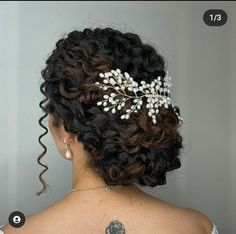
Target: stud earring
[68,152]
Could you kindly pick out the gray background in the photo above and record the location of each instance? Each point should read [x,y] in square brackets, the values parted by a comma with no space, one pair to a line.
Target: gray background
[201,62]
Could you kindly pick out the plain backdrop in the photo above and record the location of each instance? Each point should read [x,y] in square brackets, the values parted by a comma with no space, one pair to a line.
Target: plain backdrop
[201,62]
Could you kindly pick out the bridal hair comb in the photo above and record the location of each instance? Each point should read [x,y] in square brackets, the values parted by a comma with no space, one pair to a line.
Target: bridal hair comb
[157,93]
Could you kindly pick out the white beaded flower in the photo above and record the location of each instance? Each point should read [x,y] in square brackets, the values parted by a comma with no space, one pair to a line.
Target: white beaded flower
[157,94]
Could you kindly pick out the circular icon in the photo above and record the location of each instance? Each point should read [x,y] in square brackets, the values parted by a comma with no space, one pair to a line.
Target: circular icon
[16,219]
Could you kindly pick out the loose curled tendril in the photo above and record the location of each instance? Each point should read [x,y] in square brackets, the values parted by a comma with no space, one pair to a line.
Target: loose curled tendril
[45,185]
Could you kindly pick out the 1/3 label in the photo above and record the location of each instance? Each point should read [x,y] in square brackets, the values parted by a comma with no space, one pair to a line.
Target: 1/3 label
[215,17]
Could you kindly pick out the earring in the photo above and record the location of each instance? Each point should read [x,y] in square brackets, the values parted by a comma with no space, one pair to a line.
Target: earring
[68,152]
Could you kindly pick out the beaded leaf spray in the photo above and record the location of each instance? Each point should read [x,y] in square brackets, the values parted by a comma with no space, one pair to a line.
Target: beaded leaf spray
[114,79]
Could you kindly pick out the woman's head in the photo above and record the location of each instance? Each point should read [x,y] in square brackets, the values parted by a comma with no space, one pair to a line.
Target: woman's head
[121,151]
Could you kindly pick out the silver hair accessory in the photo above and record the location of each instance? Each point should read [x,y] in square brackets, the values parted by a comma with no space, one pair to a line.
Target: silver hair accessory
[114,79]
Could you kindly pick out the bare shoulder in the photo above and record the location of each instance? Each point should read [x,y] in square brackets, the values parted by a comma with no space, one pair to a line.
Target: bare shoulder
[186,220]
[201,219]
[31,225]
[177,219]
[8,229]
[37,222]
[146,215]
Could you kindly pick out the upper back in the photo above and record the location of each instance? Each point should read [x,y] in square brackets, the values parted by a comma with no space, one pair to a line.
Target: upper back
[143,215]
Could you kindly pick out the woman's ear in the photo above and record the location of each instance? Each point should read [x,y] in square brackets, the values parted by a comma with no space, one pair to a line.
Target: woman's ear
[69,137]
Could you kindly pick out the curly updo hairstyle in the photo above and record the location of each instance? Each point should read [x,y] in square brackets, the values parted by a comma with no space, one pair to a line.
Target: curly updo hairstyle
[121,151]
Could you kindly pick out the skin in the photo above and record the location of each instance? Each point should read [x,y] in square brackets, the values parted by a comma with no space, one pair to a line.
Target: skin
[93,211]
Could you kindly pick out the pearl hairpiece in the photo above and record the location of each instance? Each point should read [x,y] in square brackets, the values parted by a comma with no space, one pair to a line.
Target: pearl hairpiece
[120,82]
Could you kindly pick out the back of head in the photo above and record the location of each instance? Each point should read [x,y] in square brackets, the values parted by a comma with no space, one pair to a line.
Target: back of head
[121,151]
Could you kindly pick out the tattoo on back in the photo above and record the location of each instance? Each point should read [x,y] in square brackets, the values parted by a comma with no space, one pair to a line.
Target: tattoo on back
[115,227]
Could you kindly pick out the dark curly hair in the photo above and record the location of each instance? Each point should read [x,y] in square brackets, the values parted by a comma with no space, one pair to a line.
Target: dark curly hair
[121,151]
